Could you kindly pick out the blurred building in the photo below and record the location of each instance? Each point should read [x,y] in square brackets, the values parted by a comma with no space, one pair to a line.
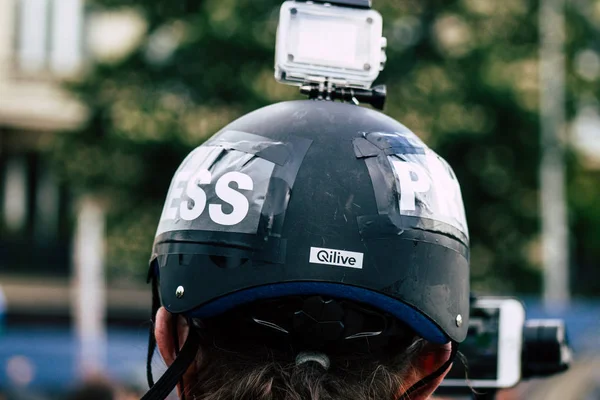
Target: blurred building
[40,43]
[43,43]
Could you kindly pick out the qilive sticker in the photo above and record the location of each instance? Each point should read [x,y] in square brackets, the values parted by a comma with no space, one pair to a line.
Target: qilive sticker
[428,189]
[340,258]
[216,189]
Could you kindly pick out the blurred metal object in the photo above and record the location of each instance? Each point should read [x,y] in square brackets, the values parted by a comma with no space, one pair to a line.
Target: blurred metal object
[555,247]
[89,297]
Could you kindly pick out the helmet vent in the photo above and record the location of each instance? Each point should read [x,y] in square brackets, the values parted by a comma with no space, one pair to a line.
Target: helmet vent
[228,262]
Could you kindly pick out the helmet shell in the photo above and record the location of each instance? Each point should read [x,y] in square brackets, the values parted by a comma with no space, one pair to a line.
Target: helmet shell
[317,197]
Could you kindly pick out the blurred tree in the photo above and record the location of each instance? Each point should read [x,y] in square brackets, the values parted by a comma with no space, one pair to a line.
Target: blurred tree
[462,74]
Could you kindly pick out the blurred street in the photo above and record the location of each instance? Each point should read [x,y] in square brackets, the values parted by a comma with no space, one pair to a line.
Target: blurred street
[582,381]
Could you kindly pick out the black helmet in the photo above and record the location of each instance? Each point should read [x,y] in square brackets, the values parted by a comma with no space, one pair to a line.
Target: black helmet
[317,198]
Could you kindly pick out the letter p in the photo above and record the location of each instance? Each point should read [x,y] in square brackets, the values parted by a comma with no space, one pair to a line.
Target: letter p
[413,179]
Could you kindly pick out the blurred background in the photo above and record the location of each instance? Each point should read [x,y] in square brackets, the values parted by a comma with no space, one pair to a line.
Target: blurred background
[100,100]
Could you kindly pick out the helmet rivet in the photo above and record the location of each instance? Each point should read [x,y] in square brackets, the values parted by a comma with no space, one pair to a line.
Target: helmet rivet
[459,320]
[179,292]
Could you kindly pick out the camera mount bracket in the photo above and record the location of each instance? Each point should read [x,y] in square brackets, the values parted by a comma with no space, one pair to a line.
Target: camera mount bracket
[334,89]
[326,90]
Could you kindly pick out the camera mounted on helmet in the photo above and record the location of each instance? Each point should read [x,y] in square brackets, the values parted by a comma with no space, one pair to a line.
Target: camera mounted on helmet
[333,50]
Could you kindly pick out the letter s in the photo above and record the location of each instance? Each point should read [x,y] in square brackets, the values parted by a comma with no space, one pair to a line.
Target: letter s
[195,192]
[175,194]
[231,196]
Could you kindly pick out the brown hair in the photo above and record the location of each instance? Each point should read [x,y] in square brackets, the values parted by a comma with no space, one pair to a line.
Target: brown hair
[262,373]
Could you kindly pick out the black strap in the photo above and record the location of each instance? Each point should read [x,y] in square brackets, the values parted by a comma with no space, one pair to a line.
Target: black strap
[151,337]
[175,335]
[165,385]
[419,385]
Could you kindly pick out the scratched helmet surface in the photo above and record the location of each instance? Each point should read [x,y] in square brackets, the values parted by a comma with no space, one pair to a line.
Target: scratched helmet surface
[317,198]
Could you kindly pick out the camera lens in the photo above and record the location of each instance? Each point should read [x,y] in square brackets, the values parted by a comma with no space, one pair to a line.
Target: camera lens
[545,348]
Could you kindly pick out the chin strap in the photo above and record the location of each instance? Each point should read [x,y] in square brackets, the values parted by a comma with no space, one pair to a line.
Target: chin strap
[151,337]
[174,374]
[428,379]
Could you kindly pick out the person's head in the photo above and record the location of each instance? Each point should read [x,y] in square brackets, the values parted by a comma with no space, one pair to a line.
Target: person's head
[311,250]
[233,367]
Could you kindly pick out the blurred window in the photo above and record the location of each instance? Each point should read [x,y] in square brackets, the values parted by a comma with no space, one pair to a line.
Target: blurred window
[49,35]
[35,227]
[15,194]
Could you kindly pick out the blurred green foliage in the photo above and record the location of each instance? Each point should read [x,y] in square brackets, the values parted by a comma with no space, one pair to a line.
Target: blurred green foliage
[462,74]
